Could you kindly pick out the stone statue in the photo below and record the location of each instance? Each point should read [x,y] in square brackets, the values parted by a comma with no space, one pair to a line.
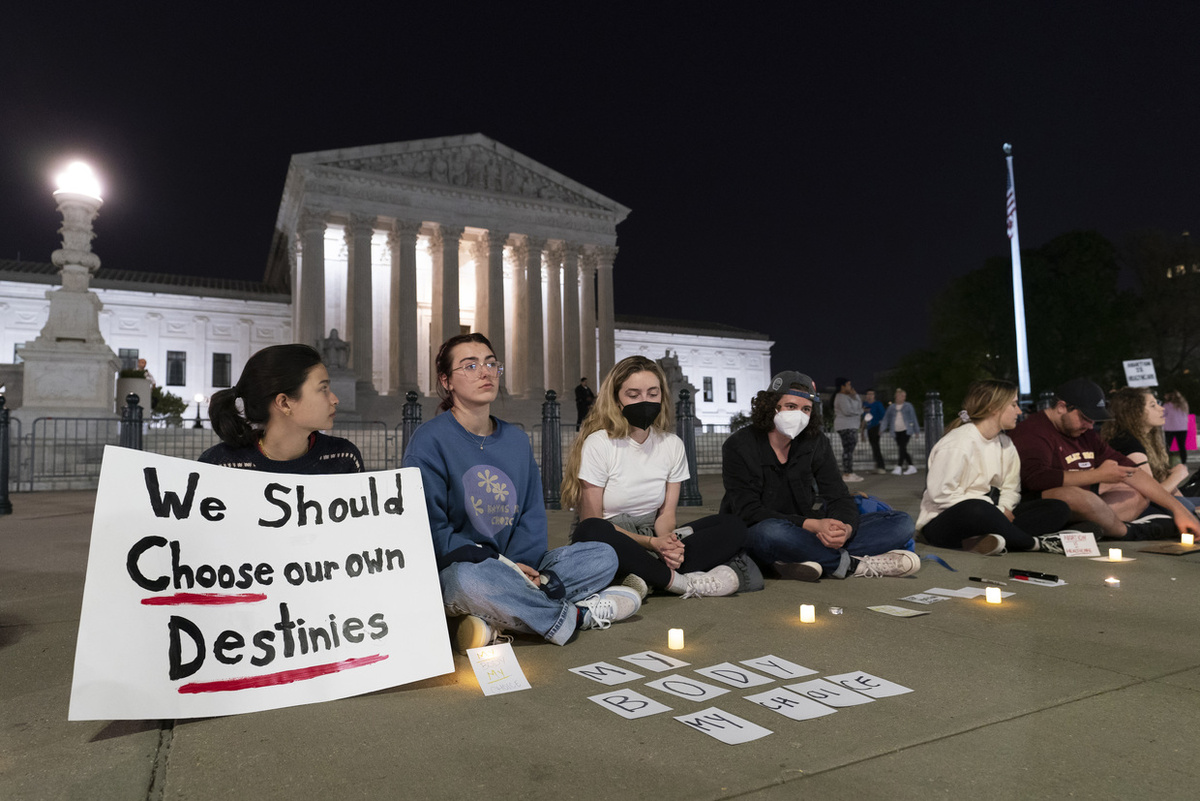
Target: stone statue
[334,350]
[675,377]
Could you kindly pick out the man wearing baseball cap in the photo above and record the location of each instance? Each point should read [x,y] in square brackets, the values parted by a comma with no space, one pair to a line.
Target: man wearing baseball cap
[769,469]
[1063,457]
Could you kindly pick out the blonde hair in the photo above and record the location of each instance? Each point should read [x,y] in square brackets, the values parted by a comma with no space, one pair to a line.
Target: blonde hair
[985,398]
[1128,408]
[606,415]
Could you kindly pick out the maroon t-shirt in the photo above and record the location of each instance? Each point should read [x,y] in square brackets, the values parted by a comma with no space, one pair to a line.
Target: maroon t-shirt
[1046,453]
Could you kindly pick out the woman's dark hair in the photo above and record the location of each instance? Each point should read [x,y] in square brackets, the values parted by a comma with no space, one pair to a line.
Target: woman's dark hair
[279,368]
[443,367]
[762,414]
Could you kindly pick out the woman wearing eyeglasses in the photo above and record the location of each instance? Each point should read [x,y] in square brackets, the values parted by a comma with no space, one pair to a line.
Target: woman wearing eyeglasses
[488,520]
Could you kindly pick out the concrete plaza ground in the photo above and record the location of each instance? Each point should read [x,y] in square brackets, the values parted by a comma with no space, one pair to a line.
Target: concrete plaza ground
[1080,691]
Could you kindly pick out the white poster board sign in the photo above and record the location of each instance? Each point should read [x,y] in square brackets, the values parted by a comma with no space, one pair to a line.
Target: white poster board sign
[1140,373]
[215,591]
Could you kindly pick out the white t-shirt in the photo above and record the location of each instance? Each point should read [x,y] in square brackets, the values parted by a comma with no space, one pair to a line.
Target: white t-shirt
[634,476]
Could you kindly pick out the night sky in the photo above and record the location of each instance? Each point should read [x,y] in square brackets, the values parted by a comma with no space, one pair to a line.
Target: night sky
[814,175]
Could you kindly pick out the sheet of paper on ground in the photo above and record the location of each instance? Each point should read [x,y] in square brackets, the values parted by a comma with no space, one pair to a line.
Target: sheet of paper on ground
[214,591]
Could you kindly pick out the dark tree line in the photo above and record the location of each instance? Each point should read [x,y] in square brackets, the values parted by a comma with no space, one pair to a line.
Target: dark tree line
[1089,306]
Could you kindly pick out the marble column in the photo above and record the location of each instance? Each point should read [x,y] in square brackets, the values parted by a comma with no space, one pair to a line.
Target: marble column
[358,299]
[402,328]
[554,320]
[587,319]
[444,246]
[489,293]
[518,376]
[605,313]
[535,352]
[570,316]
[310,322]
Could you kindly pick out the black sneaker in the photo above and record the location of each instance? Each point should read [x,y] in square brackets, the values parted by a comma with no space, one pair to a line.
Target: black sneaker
[1051,543]
[798,571]
[1152,527]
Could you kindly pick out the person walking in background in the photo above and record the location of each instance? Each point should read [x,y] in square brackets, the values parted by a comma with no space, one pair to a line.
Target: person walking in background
[584,398]
[1175,410]
[901,419]
[847,411]
[871,420]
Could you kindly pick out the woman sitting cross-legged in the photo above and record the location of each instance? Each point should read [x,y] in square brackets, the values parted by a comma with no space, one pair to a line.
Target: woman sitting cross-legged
[483,491]
[623,476]
[972,496]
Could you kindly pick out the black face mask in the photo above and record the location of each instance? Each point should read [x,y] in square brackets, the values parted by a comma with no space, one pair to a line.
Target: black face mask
[642,415]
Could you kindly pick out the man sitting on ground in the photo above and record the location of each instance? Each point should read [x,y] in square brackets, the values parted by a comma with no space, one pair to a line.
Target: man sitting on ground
[1063,457]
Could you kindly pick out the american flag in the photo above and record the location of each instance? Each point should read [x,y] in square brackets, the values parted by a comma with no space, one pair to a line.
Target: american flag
[1011,198]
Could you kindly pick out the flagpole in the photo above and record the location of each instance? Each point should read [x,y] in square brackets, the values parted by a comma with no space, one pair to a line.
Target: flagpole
[1018,284]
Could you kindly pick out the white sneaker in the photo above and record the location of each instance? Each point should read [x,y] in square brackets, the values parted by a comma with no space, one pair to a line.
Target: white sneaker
[721,580]
[608,606]
[897,563]
[897,470]
[851,478]
[908,471]
[474,632]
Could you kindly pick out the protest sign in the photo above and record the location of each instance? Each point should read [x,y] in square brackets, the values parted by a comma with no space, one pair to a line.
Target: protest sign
[214,591]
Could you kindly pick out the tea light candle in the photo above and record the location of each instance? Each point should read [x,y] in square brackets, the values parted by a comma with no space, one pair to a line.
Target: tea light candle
[1113,583]
[1114,554]
[992,594]
[1187,539]
[808,613]
[675,639]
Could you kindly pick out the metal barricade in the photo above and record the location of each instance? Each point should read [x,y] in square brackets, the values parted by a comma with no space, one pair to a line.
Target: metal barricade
[65,452]
[373,442]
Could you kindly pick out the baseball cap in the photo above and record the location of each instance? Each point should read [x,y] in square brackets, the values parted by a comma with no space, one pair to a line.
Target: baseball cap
[1084,395]
[790,382]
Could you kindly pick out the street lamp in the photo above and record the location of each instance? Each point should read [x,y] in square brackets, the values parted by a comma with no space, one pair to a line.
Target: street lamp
[199,398]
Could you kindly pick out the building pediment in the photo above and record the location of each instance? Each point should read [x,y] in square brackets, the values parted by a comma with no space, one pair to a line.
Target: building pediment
[474,162]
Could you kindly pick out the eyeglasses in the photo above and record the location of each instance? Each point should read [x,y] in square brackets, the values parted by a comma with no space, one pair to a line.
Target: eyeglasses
[476,370]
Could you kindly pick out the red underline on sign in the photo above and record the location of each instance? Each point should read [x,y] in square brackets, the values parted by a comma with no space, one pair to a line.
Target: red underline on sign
[283,677]
[204,599]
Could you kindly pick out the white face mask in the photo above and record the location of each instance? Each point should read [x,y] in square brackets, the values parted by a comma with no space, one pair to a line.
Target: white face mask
[791,422]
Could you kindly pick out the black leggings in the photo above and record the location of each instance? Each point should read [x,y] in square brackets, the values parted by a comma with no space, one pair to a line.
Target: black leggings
[977,517]
[1181,438]
[714,541]
[902,447]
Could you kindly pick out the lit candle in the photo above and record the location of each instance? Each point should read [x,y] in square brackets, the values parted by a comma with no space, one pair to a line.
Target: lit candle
[992,594]
[675,639]
[1113,583]
[1114,554]
[1187,539]
[808,613]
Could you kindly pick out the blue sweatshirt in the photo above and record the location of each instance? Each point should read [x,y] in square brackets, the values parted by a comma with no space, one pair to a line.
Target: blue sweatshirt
[489,495]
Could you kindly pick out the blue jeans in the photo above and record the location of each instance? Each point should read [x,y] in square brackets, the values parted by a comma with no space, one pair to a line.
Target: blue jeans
[495,592]
[778,540]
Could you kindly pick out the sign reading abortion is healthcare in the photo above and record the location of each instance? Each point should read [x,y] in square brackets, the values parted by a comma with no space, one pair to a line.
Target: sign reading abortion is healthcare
[213,591]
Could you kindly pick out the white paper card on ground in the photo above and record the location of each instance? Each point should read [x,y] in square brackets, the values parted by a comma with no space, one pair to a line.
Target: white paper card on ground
[778,667]
[789,704]
[629,704]
[726,727]
[691,689]
[828,693]
[1037,582]
[605,673]
[897,611]
[497,669]
[965,592]
[215,591]
[652,660]
[733,675]
[925,598]
[1106,559]
[1079,543]
[867,684]
[979,592]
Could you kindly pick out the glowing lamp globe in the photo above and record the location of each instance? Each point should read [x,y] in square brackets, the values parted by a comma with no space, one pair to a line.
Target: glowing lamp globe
[78,179]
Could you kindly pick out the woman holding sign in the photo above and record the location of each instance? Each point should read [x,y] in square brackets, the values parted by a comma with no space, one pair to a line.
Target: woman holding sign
[624,476]
[273,417]
[488,519]
[973,492]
